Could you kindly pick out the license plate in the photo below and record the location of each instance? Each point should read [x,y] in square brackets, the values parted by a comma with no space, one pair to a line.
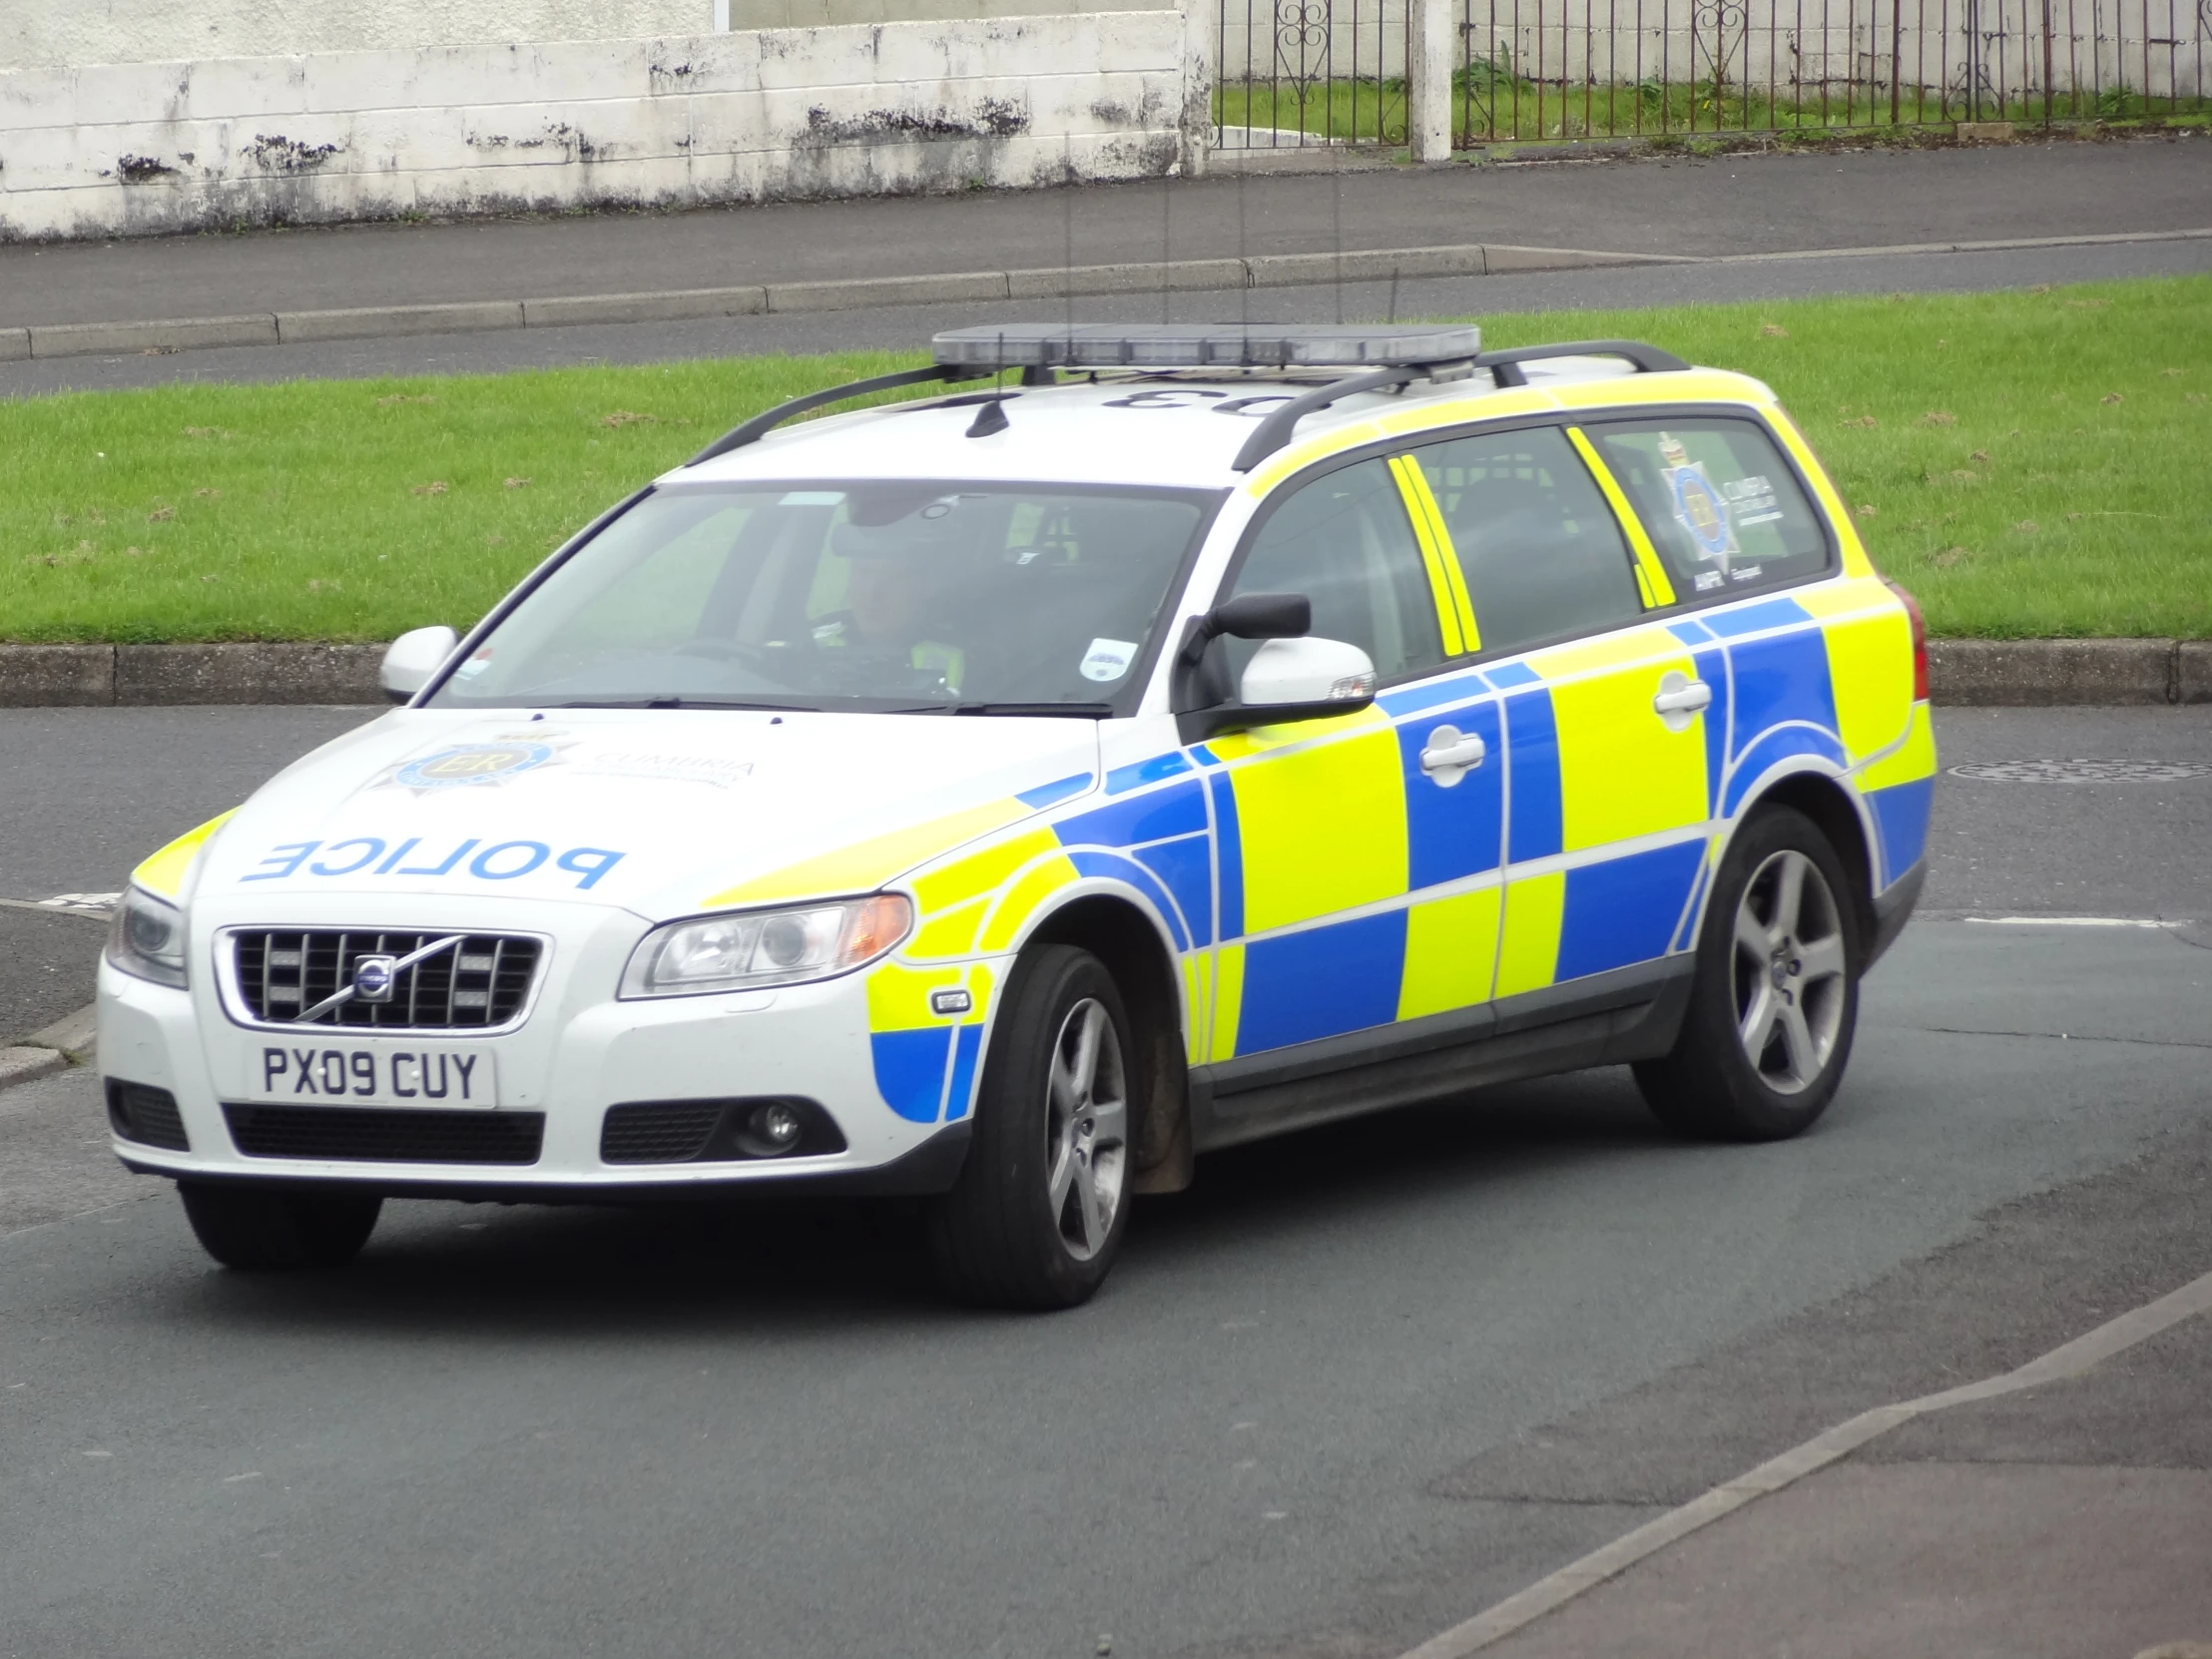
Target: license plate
[356,1075]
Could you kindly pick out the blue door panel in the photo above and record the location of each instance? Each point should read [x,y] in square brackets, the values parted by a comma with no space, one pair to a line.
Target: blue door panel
[1322,982]
[1456,831]
[1626,909]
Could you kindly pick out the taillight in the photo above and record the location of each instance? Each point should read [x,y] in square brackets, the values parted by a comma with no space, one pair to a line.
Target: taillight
[1920,640]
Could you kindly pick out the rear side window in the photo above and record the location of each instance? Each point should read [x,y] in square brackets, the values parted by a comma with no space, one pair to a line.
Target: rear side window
[1543,553]
[1719,501]
[1345,542]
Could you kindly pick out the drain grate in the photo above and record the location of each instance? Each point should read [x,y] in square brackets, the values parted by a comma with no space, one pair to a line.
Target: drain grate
[2083,772]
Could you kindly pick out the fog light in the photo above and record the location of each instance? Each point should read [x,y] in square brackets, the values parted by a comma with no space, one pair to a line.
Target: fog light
[771,1130]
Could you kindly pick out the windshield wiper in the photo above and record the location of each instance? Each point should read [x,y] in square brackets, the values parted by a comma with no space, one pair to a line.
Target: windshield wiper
[1079,711]
[684,702]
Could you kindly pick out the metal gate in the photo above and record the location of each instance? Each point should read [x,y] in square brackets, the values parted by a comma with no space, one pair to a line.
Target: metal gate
[1297,74]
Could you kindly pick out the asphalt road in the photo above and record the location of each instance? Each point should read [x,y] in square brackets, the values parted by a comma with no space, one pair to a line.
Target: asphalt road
[909,327]
[1349,1387]
[1698,206]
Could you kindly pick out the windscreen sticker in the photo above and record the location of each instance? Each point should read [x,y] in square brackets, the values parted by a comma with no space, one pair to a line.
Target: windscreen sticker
[373,856]
[1698,507]
[1108,659]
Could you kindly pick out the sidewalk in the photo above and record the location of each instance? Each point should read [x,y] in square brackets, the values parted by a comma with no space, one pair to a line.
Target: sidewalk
[1680,207]
[2071,1521]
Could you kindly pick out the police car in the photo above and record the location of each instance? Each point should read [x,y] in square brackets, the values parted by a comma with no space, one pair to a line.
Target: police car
[1180,735]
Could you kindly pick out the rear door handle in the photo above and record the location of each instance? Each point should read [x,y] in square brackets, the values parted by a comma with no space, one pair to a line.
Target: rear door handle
[1450,754]
[1679,698]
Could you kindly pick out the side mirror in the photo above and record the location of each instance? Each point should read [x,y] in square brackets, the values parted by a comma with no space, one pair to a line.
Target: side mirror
[412,658]
[1286,680]
[1323,676]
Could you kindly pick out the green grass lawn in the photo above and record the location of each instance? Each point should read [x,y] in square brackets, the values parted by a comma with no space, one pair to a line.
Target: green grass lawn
[2028,463]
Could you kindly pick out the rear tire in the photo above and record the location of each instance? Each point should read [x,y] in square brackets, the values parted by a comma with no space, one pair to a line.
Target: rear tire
[1776,999]
[279,1229]
[1038,1211]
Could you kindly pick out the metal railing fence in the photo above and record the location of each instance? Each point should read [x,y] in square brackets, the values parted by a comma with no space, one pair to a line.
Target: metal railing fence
[1300,73]
[1303,73]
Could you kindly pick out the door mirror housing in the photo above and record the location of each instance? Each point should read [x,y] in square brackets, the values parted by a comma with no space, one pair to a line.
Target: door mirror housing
[1287,680]
[1299,672]
[413,658]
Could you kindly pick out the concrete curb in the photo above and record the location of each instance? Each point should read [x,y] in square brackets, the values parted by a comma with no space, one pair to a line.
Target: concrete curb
[2015,672]
[1364,264]
[1962,673]
[77,339]
[67,1042]
[103,676]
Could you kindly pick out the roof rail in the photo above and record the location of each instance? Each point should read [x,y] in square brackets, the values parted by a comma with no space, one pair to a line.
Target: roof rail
[769,419]
[1505,371]
[1276,431]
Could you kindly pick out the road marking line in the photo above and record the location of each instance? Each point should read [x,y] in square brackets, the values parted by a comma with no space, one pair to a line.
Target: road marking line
[1523,1608]
[2072,921]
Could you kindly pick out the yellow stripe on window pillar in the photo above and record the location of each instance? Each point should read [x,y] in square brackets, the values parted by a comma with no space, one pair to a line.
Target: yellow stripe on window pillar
[1419,492]
[1412,488]
[1651,576]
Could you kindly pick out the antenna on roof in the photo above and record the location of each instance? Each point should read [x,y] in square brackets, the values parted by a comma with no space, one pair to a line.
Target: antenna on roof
[991,420]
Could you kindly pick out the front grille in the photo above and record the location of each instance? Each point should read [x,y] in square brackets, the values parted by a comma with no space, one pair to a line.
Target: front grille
[368,1135]
[142,1113]
[481,981]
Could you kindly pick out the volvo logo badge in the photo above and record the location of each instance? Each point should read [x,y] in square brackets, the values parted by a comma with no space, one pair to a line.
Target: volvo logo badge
[374,977]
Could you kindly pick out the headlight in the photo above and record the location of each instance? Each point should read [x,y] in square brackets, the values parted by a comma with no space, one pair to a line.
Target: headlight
[147,938]
[751,949]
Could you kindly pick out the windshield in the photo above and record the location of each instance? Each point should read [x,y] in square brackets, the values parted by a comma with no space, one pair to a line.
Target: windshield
[923,596]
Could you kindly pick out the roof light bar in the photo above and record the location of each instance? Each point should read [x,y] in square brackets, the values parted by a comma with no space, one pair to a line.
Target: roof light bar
[1204,345]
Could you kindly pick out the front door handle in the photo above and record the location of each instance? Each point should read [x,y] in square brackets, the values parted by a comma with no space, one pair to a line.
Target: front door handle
[1681,697]
[1449,755]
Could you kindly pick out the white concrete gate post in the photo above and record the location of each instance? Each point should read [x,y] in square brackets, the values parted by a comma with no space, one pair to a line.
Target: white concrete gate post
[1201,28]
[1428,79]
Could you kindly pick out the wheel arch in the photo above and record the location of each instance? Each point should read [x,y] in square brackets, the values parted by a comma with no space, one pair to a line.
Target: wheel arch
[1124,936]
[1836,810]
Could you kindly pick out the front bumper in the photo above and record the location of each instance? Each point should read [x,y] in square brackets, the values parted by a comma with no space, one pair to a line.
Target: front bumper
[572,1059]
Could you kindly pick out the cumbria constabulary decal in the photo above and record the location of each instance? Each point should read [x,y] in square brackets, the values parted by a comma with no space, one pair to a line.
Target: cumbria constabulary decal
[1698,506]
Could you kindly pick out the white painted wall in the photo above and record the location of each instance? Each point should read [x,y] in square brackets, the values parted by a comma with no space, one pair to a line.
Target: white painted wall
[854,110]
[53,32]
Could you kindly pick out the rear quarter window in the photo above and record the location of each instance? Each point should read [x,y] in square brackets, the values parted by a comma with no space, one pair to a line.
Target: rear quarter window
[1719,500]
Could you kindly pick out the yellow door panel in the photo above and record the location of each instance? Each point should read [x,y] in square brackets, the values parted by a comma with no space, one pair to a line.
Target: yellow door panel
[1228,999]
[1622,772]
[1451,949]
[1323,829]
[1528,948]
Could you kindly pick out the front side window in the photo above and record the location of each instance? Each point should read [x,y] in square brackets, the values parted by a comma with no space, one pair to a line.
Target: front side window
[1344,542]
[1721,505]
[1541,552]
[874,596]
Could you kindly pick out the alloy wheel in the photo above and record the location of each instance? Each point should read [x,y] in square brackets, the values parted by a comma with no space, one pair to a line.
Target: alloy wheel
[1086,1128]
[1789,971]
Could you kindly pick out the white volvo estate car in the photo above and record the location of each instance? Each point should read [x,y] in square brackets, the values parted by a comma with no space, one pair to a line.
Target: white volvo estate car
[1002,797]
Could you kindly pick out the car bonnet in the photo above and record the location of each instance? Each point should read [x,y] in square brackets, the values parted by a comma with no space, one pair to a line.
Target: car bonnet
[661,812]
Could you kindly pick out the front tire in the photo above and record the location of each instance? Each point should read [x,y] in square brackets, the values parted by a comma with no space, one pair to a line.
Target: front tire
[279,1229]
[1776,999]
[1038,1211]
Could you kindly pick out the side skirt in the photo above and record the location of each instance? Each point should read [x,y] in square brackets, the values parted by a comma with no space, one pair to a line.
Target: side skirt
[1630,1013]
